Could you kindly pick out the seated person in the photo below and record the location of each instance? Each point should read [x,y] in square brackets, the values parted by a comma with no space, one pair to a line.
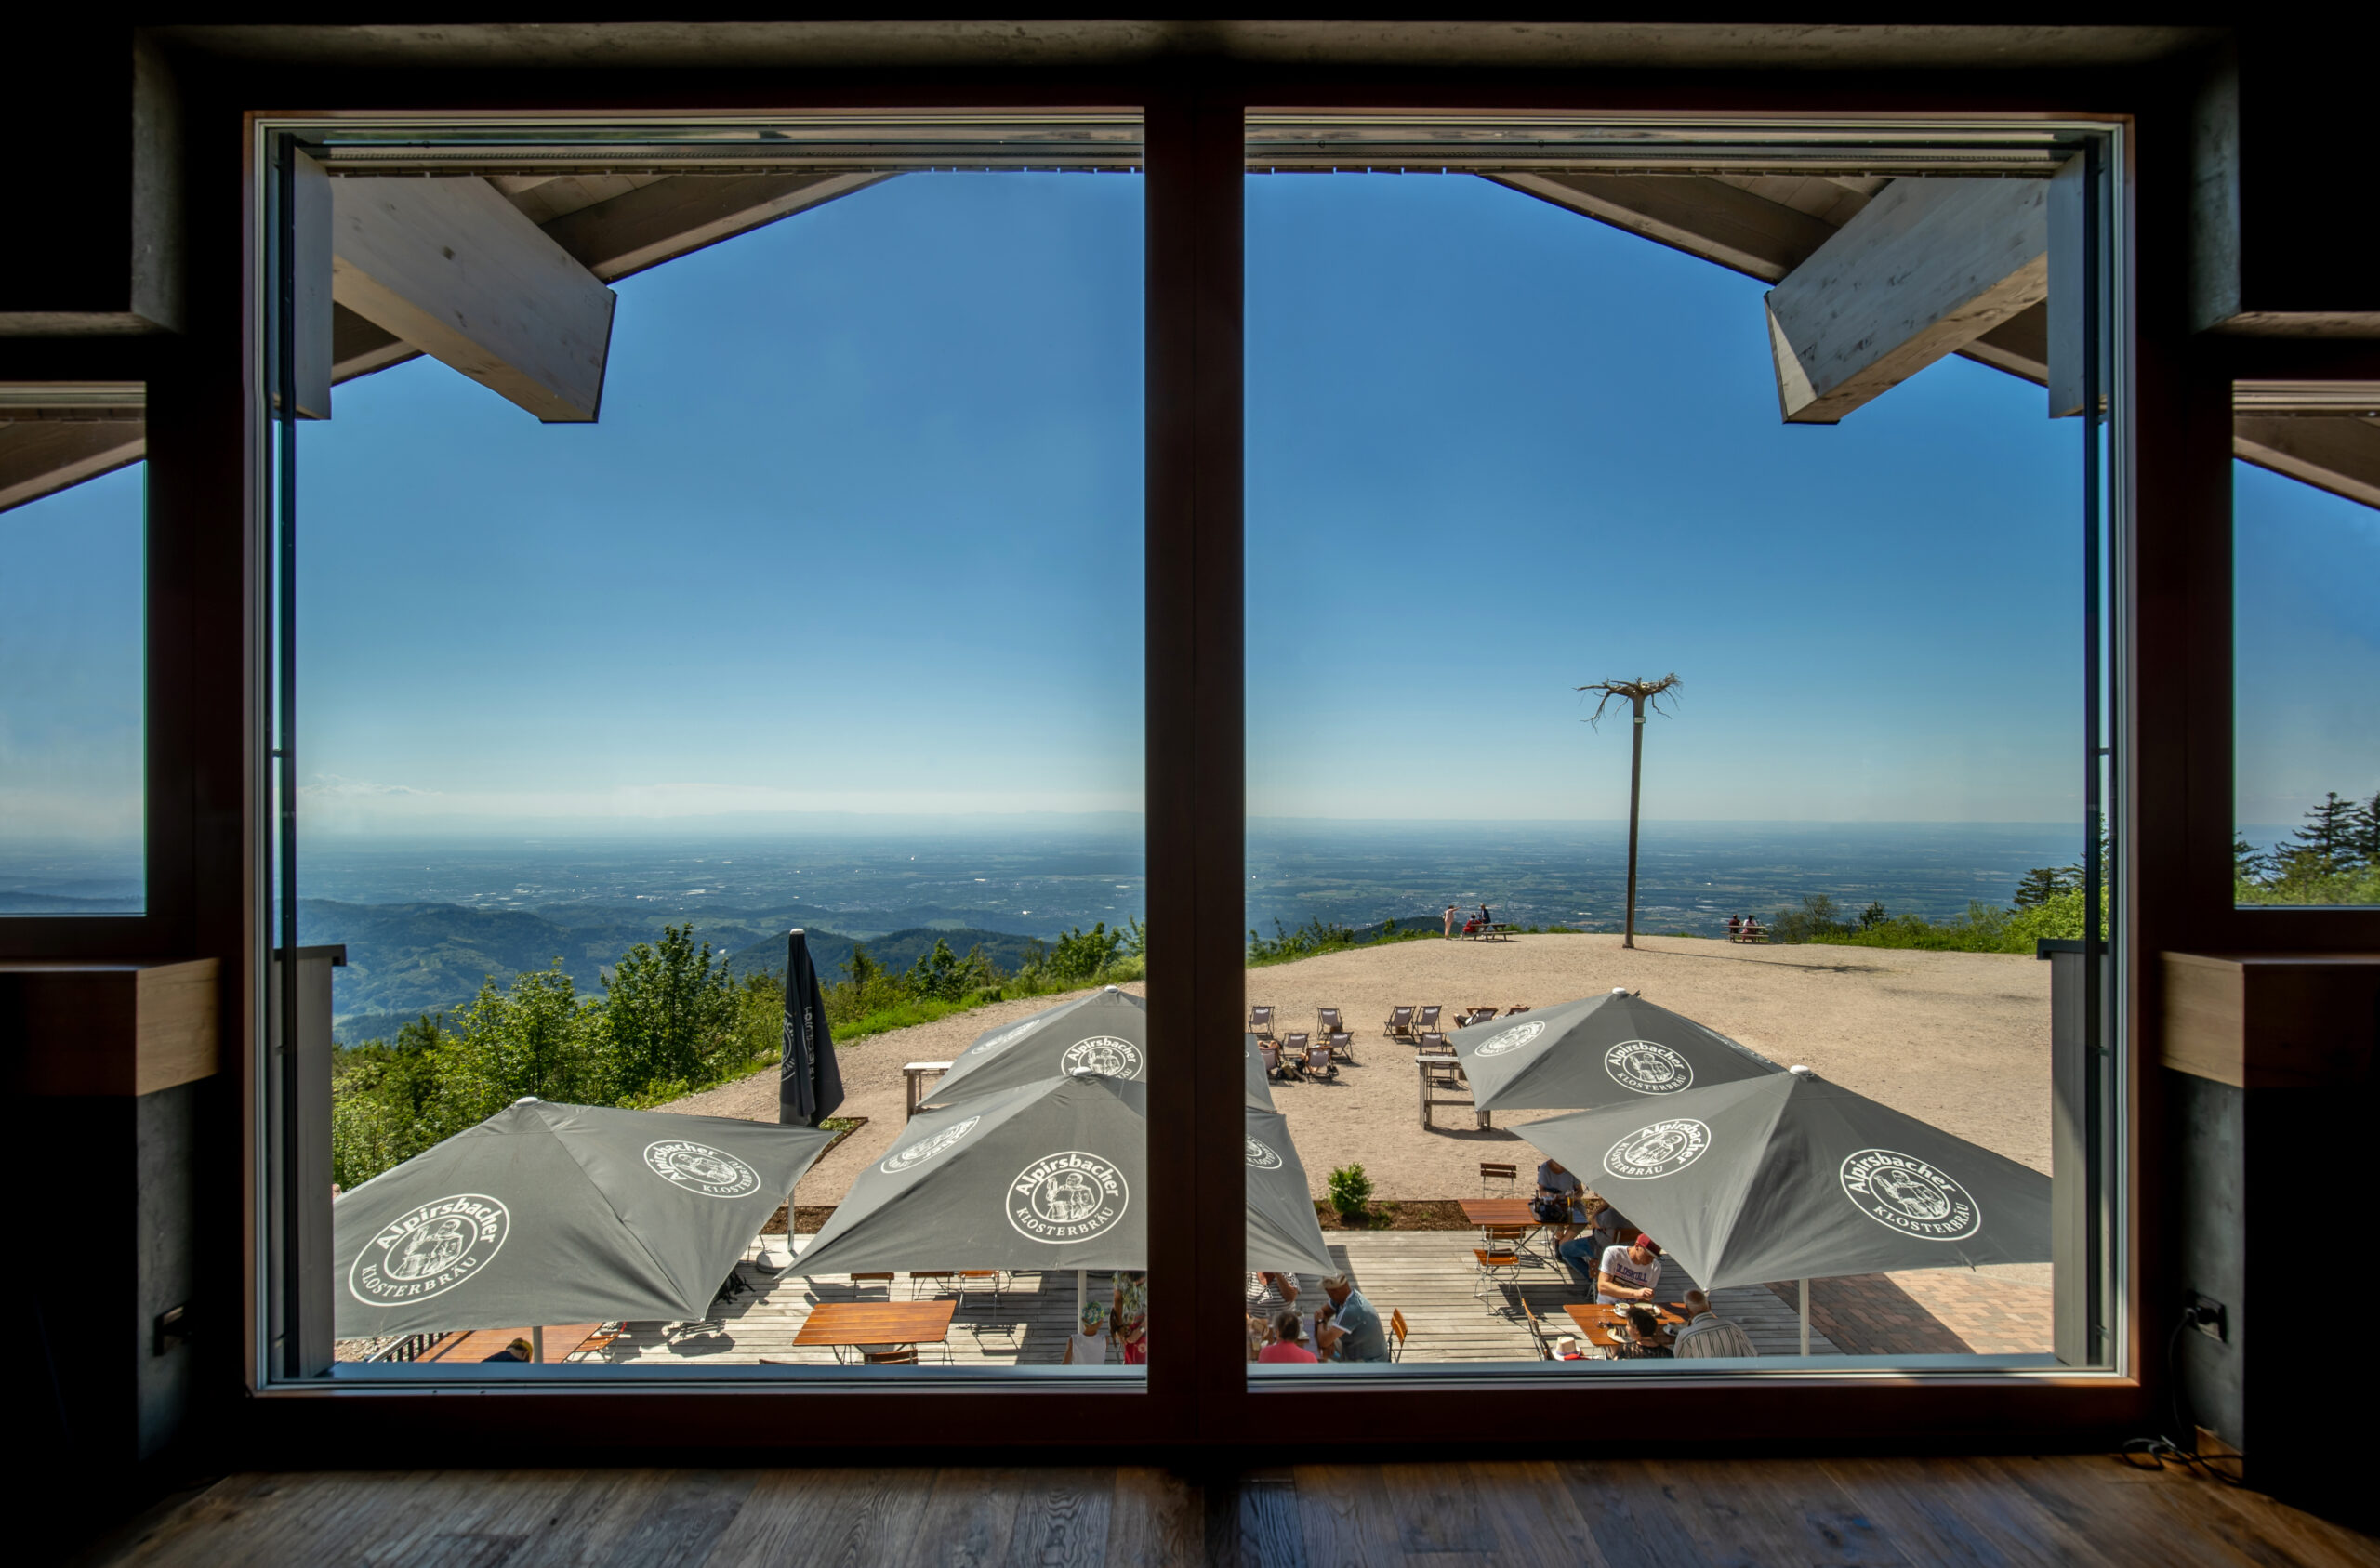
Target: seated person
[1269,1293]
[1707,1334]
[1559,1200]
[517,1351]
[1643,1336]
[1629,1273]
[1608,1223]
[1735,927]
[1354,1333]
[1288,1341]
[1579,1255]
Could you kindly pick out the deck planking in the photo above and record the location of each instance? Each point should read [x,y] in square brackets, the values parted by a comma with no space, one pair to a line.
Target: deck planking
[1426,1274]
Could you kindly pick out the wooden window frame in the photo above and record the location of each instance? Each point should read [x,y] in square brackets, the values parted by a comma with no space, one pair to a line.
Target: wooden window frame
[209,503]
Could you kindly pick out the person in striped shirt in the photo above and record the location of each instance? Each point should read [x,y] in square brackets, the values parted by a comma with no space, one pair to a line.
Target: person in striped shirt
[1707,1334]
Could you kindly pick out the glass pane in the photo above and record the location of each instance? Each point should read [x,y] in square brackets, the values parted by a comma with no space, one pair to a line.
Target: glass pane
[829,625]
[2307,684]
[1500,452]
[73,832]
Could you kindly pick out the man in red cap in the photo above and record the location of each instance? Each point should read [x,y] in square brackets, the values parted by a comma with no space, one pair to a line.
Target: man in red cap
[1629,1273]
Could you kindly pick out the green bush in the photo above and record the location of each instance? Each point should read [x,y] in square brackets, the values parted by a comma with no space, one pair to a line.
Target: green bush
[1351,1192]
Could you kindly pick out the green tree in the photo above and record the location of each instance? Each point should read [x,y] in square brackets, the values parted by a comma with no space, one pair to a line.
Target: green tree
[672,1010]
[2333,830]
[535,1037]
[2366,842]
[1872,916]
[2044,883]
[2248,862]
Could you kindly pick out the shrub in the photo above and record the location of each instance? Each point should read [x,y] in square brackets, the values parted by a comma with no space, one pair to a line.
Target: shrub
[1351,1192]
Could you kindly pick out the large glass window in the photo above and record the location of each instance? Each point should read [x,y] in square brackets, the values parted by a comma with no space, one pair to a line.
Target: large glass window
[1659,808]
[2306,660]
[776,679]
[72,598]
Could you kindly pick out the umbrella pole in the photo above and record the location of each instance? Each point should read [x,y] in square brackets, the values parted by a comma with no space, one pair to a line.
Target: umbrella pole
[537,1347]
[1805,1317]
[1082,1296]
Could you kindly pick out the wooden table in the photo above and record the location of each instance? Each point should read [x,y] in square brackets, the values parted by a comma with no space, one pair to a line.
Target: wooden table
[843,1324]
[1598,1324]
[1499,1211]
[1442,1070]
[913,1077]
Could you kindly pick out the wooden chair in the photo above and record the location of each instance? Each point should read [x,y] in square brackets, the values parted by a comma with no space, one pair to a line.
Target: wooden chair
[1489,1170]
[1318,1062]
[885,1279]
[1491,1261]
[888,1355]
[1342,1044]
[1326,1020]
[977,1282]
[1259,1022]
[1537,1339]
[1400,1024]
[1511,1238]
[1427,1017]
[1396,1334]
[923,1280]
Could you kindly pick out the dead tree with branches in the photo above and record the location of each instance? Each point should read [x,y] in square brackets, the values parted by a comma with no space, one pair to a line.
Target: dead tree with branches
[1639,695]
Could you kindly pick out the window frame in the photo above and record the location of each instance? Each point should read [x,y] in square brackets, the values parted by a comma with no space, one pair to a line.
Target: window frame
[1197,1395]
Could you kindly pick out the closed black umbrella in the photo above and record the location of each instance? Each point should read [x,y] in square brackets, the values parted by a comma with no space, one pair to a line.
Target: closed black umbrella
[548,1213]
[809,1084]
[1614,1049]
[1051,1174]
[1789,1177]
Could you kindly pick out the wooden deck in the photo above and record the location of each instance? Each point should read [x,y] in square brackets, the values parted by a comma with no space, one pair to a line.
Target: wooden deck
[1426,1274]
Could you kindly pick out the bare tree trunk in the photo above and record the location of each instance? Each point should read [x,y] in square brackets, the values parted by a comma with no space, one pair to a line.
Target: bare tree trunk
[1636,793]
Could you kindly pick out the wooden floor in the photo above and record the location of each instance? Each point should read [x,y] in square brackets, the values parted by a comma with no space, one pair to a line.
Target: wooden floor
[2092,1511]
[1426,1274]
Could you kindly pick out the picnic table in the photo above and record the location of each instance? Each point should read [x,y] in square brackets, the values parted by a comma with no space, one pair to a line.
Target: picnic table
[1599,1322]
[913,1074]
[1494,931]
[843,1326]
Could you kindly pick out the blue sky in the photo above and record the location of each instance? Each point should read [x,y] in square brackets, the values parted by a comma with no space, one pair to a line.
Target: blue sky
[859,530]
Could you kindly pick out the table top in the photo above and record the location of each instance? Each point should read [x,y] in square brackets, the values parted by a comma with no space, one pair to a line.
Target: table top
[1597,1322]
[1499,1211]
[878,1323]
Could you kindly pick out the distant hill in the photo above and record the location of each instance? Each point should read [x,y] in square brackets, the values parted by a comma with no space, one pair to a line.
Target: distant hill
[406,959]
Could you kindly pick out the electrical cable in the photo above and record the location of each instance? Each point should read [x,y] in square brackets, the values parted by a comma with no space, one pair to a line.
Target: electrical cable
[2162,1450]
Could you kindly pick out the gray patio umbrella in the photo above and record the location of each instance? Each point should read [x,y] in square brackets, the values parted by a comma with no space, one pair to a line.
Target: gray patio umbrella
[1614,1049]
[809,1085]
[1052,1174]
[1789,1177]
[548,1213]
[1106,1034]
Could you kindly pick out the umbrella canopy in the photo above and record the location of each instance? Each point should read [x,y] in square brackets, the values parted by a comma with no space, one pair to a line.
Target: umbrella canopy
[1614,1049]
[809,1083]
[1105,1032]
[1282,1231]
[548,1213]
[1790,1176]
[1051,1174]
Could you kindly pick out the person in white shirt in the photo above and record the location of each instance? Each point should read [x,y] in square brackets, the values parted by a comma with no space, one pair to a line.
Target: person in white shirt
[1629,1273]
[1707,1334]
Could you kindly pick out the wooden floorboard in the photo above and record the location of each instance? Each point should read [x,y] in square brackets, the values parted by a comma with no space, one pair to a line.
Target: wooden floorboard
[2019,1512]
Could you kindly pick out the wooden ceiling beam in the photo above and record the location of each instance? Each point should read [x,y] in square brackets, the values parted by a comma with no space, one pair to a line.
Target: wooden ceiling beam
[1693,213]
[1924,270]
[454,269]
[670,217]
[2339,453]
[39,456]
